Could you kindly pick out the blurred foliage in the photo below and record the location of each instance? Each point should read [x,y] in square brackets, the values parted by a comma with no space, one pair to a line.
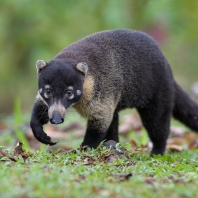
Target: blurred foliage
[32,30]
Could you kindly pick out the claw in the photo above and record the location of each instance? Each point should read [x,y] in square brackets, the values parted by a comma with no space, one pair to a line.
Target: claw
[45,139]
[52,143]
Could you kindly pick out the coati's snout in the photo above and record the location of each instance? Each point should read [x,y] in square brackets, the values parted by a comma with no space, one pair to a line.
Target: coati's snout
[56,113]
[56,119]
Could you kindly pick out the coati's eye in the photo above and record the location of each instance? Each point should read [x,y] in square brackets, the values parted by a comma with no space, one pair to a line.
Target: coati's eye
[70,94]
[48,92]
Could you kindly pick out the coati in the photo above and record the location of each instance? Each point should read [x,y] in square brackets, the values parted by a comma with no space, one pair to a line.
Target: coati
[104,73]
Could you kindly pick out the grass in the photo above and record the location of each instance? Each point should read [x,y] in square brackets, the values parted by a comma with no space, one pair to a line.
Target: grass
[18,122]
[83,174]
[97,173]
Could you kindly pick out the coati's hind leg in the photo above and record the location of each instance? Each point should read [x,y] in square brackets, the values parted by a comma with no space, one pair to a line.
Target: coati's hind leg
[156,119]
[112,133]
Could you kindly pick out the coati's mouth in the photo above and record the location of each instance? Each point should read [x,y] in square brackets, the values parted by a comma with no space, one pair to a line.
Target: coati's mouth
[56,113]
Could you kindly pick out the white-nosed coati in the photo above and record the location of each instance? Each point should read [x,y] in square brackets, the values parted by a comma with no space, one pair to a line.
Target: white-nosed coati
[104,73]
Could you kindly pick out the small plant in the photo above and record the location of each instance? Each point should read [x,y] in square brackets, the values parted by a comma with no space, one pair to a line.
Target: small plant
[18,122]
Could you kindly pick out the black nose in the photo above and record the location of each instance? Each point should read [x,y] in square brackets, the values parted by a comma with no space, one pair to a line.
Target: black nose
[56,119]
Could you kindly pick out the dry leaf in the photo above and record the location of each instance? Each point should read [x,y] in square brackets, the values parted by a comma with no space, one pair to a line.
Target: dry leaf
[174,148]
[3,153]
[18,150]
[123,177]
[65,150]
[131,122]
[150,181]
[187,138]
[80,179]
[133,144]
[2,126]
[177,131]
[101,192]
[193,144]
[72,126]
[83,148]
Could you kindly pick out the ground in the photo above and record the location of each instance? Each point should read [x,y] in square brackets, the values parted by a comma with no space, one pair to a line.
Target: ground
[35,170]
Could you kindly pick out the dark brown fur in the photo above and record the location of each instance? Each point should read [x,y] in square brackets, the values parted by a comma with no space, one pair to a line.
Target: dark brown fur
[126,69]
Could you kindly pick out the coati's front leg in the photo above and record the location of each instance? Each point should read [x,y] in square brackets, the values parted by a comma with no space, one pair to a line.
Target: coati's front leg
[99,130]
[102,121]
[112,133]
[95,133]
[38,119]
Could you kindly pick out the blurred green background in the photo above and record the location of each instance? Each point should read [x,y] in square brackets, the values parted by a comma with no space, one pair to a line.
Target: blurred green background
[39,29]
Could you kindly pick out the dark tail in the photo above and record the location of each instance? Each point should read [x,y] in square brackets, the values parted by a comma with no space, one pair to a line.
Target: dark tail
[185,109]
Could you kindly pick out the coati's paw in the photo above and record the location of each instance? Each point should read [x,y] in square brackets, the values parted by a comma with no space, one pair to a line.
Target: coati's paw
[45,139]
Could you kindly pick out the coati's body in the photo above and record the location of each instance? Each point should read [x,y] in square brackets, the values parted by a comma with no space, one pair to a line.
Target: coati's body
[121,69]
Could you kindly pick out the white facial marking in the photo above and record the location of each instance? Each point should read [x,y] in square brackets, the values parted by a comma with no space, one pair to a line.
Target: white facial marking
[39,98]
[57,107]
[71,97]
[78,92]
[47,87]
[70,88]
[46,96]
[40,90]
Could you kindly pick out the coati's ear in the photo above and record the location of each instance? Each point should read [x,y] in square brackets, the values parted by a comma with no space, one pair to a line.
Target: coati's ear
[40,64]
[82,67]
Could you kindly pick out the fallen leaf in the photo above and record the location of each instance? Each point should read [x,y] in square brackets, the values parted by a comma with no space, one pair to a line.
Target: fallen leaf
[174,148]
[18,150]
[123,177]
[101,192]
[80,179]
[55,134]
[2,127]
[79,133]
[177,131]
[111,158]
[187,138]
[66,150]
[5,154]
[133,144]
[131,122]
[82,148]
[193,144]
[150,181]
[72,126]
[140,150]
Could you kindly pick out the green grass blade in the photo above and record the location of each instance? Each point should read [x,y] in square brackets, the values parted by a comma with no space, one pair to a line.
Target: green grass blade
[19,121]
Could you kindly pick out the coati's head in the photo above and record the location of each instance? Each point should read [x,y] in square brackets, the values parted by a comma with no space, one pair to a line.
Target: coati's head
[60,86]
